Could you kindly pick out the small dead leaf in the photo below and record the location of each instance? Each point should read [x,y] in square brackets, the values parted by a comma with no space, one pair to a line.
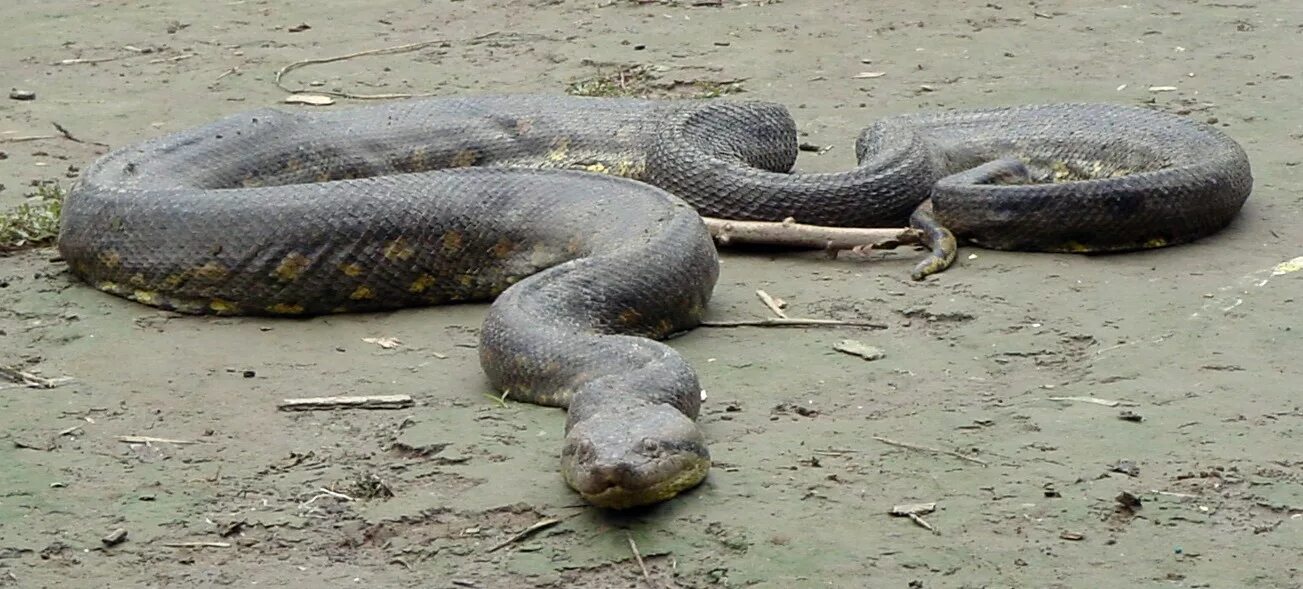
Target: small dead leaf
[859,348]
[387,343]
[868,75]
[913,509]
[309,99]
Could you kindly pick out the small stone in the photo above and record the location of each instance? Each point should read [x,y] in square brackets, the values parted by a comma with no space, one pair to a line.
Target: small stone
[1074,536]
[858,348]
[115,537]
[17,94]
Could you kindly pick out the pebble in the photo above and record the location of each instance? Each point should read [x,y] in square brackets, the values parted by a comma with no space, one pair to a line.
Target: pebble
[17,94]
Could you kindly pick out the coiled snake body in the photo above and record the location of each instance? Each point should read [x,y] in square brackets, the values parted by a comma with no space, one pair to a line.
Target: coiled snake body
[495,198]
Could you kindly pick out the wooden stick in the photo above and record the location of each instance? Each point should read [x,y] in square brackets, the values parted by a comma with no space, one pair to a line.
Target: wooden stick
[892,442]
[791,322]
[197,544]
[771,303]
[633,546]
[28,379]
[789,232]
[366,402]
[381,51]
[527,532]
[150,440]
[22,138]
[1096,401]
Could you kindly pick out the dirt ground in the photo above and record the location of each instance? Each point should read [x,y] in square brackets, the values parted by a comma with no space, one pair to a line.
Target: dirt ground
[1201,343]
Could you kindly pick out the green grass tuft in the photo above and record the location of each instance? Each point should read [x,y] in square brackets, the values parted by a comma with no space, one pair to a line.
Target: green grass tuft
[34,223]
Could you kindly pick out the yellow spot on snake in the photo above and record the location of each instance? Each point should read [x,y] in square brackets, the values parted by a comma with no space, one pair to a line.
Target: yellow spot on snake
[222,306]
[560,149]
[664,326]
[523,126]
[1074,246]
[399,250]
[250,182]
[293,165]
[339,309]
[599,168]
[173,280]
[286,309]
[292,267]
[421,283]
[502,249]
[574,246]
[350,269]
[110,259]
[466,279]
[465,157]
[147,297]
[362,293]
[324,176]
[629,316]
[107,286]
[1156,242]
[137,279]
[211,271]
[451,242]
[418,160]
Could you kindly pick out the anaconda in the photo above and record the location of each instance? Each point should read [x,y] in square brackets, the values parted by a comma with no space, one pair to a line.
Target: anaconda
[516,199]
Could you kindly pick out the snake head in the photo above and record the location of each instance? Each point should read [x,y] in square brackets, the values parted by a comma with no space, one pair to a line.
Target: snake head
[631,456]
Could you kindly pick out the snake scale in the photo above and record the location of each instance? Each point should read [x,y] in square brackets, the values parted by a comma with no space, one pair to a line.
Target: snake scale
[579,219]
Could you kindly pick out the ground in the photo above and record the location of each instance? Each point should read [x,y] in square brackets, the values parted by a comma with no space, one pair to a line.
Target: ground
[1200,343]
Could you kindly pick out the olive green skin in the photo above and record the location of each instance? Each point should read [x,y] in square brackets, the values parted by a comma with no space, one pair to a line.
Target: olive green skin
[579,219]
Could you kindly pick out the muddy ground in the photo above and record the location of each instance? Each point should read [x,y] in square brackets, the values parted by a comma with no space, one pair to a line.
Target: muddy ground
[1202,342]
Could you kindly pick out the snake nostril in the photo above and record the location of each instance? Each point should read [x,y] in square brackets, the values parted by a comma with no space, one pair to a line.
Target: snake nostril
[649,446]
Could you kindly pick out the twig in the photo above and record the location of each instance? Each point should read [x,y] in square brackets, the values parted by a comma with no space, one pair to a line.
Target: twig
[900,444]
[542,524]
[234,69]
[336,494]
[791,322]
[30,380]
[81,60]
[196,544]
[381,51]
[23,138]
[921,522]
[366,402]
[1096,401]
[67,135]
[789,232]
[633,546]
[915,511]
[771,303]
[150,440]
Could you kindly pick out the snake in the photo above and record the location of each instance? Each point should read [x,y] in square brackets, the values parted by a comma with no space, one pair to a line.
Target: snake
[579,221]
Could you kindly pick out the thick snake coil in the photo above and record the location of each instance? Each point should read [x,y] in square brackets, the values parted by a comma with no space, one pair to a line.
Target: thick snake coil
[282,213]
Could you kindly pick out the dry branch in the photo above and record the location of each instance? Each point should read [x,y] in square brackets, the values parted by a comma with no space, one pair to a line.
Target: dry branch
[910,446]
[792,322]
[151,440]
[366,402]
[791,233]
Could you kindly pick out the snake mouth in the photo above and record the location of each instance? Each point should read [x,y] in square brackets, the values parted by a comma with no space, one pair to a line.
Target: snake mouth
[618,461]
[622,486]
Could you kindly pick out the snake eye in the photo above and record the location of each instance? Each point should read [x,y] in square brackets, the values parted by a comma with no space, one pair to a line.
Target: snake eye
[582,450]
[649,446]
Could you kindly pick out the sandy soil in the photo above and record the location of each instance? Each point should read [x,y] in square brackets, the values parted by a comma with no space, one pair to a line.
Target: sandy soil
[1203,339]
